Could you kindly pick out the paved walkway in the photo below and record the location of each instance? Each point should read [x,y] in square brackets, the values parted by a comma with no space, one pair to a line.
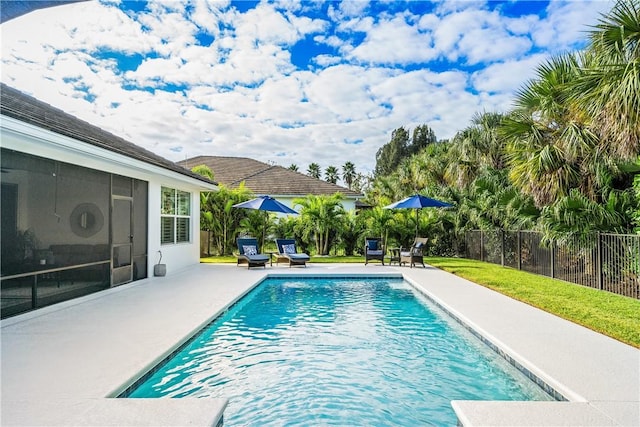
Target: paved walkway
[62,364]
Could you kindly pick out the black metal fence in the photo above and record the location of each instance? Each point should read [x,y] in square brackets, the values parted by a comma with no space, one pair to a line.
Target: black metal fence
[609,262]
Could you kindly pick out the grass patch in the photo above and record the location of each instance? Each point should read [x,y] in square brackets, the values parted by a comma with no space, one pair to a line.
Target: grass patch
[609,314]
[604,312]
[219,260]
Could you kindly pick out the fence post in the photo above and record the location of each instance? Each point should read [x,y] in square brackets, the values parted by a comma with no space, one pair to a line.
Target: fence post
[481,246]
[467,253]
[34,292]
[502,247]
[553,259]
[599,260]
[519,252]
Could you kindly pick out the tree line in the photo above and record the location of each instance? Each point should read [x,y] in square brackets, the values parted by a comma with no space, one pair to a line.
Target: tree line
[352,179]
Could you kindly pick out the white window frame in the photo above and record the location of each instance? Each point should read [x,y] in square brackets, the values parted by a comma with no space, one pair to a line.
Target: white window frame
[174,209]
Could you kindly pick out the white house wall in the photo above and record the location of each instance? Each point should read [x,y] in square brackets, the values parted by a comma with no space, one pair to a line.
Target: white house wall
[349,205]
[175,256]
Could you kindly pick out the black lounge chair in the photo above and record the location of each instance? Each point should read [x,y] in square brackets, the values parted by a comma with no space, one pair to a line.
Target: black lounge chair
[288,251]
[248,253]
[414,255]
[373,250]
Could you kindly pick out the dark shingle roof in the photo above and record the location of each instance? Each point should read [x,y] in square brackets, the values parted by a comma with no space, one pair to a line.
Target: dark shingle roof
[262,178]
[20,106]
[15,8]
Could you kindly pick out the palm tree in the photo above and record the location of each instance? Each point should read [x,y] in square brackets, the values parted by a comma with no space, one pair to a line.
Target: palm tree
[293,167]
[206,217]
[206,199]
[221,218]
[321,215]
[432,167]
[314,170]
[361,183]
[463,167]
[383,190]
[203,170]
[548,135]
[348,173]
[350,232]
[494,203]
[609,88]
[257,223]
[377,222]
[578,215]
[331,174]
[489,146]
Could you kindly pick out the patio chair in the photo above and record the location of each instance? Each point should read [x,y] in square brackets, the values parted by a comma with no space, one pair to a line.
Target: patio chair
[248,253]
[414,255]
[373,250]
[288,252]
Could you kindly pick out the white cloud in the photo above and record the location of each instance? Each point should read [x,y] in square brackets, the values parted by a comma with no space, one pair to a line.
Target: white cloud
[507,77]
[341,90]
[264,25]
[394,41]
[305,25]
[486,45]
[568,23]
[327,60]
[522,25]
[353,8]
[479,36]
[445,7]
[332,40]
[206,15]
[243,96]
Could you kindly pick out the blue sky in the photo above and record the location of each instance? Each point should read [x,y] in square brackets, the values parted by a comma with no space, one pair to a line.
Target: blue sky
[285,81]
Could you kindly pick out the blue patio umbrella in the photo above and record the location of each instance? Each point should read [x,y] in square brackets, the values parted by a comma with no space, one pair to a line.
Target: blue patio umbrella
[267,204]
[417,202]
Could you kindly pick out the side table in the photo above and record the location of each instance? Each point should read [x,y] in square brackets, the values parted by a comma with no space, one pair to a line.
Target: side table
[394,255]
[271,254]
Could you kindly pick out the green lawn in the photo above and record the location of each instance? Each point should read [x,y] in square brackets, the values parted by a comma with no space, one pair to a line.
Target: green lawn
[603,312]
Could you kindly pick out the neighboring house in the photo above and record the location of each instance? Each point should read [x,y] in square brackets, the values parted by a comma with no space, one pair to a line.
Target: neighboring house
[84,210]
[265,179]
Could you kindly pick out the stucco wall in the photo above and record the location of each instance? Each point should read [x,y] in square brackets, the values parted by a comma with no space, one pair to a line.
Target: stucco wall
[179,255]
[348,204]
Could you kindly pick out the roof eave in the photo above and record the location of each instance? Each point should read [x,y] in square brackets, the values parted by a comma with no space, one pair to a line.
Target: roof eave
[14,132]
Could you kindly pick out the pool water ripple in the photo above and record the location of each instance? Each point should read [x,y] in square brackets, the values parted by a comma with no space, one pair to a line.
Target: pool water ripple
[338,352]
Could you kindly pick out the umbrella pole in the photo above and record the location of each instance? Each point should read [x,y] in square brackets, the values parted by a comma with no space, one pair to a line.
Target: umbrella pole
[264,229]
[417,222]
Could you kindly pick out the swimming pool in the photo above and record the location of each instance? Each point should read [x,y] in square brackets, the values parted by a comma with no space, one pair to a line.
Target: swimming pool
[341,351]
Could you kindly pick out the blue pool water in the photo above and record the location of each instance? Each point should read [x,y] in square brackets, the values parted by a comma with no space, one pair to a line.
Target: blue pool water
[333,351]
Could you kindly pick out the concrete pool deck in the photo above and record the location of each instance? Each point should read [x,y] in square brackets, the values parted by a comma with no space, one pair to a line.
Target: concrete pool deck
[62,364]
